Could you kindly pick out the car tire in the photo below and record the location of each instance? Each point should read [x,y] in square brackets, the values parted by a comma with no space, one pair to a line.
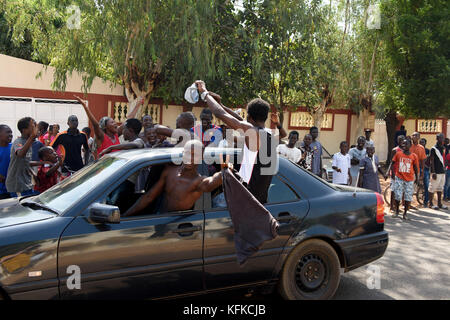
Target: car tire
[311,272]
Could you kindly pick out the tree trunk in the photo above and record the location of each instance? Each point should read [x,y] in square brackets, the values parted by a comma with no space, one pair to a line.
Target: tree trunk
[391,124]
[318,113]
[362,118]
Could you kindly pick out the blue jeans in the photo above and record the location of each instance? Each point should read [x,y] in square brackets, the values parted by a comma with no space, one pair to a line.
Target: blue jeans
[447,185]
[30,192]
[426,182]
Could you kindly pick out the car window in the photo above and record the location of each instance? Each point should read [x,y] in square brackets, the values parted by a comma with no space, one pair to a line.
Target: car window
[64,195]
[279,191]
[129,190]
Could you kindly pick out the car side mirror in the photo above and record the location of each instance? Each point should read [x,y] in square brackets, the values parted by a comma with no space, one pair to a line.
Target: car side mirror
[104,213]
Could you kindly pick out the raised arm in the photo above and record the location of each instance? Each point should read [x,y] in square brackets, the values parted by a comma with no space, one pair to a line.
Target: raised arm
[230,111]
[122,146]
[22,152]
[148,197]
[220,112]
[99,135]
[276,120]
[132,114]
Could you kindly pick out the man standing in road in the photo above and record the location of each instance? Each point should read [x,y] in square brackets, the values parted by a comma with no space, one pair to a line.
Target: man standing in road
[357,154]
[316,147]
[289,151]
[437,170]
[419,150]
[426,173]
[71,141]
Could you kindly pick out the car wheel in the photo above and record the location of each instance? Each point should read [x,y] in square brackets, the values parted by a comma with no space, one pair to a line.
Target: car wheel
[311,272]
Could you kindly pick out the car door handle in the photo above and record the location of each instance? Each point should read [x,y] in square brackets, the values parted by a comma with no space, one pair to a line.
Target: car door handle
[187,228]
[285,217]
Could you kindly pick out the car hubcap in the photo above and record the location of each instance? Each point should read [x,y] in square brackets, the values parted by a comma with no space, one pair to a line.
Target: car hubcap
[310,273]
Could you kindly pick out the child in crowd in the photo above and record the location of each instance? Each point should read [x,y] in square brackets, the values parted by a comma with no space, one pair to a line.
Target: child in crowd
[289,151]
[5,156]
[48,174]
[369,168]
[87,132]
[19,179]
[307,153]
[406,172]
[341,165]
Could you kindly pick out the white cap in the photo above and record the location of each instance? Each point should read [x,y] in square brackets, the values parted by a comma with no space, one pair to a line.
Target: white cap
[191,94]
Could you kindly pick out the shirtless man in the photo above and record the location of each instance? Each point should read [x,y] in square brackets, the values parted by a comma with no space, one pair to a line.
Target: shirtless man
[182,184]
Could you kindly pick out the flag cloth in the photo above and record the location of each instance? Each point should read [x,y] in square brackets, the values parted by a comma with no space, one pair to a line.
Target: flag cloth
[253,224]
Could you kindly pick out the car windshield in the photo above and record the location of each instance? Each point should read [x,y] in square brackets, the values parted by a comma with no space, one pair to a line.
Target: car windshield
[65,194]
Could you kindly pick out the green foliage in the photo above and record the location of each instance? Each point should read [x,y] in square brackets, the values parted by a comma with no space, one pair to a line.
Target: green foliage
[155,47]
[293,53]
[24,50]
[416,43]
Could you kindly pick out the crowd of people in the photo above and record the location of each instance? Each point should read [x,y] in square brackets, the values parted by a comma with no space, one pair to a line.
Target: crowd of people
[358,166]
[43,155]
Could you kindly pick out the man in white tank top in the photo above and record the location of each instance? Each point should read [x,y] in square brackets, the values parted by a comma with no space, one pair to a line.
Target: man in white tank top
[256,171]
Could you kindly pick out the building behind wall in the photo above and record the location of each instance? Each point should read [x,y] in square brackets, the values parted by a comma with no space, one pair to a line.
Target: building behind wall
[22,94]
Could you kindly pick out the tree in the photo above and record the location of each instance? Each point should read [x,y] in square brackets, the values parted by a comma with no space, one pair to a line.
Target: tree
[24,50]
[414,67]
[293,55]
[415,35]
[152,48]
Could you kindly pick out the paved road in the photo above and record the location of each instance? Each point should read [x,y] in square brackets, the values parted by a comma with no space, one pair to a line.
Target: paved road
[415,266]
[416,262]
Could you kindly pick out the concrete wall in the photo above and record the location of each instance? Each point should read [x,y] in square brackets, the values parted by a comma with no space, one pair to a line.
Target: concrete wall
[170,115]
[19,73]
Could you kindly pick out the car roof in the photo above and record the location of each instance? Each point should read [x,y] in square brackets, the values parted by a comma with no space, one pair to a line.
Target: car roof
[165,153]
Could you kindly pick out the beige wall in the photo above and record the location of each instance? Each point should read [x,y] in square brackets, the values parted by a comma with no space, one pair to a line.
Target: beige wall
[19,73]
[410,126]
[329,139]
[353,131]
[170,115]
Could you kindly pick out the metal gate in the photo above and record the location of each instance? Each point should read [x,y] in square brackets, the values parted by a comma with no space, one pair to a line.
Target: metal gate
[52,111]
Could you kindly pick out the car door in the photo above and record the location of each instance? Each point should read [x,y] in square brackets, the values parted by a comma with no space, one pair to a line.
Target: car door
[147,256]
[221,267]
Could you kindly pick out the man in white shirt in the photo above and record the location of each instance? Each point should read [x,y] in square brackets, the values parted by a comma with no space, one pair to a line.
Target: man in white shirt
[341,166]
[289,151]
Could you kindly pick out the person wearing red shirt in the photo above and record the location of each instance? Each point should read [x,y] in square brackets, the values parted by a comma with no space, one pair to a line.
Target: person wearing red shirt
[106,130]
[406,172]
[391,170]
[42,127]
[48,174]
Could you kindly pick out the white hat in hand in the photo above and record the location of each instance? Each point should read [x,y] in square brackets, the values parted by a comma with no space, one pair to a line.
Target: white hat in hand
[191,95]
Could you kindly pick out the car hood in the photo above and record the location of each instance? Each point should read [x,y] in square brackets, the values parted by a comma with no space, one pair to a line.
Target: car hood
[13,213]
